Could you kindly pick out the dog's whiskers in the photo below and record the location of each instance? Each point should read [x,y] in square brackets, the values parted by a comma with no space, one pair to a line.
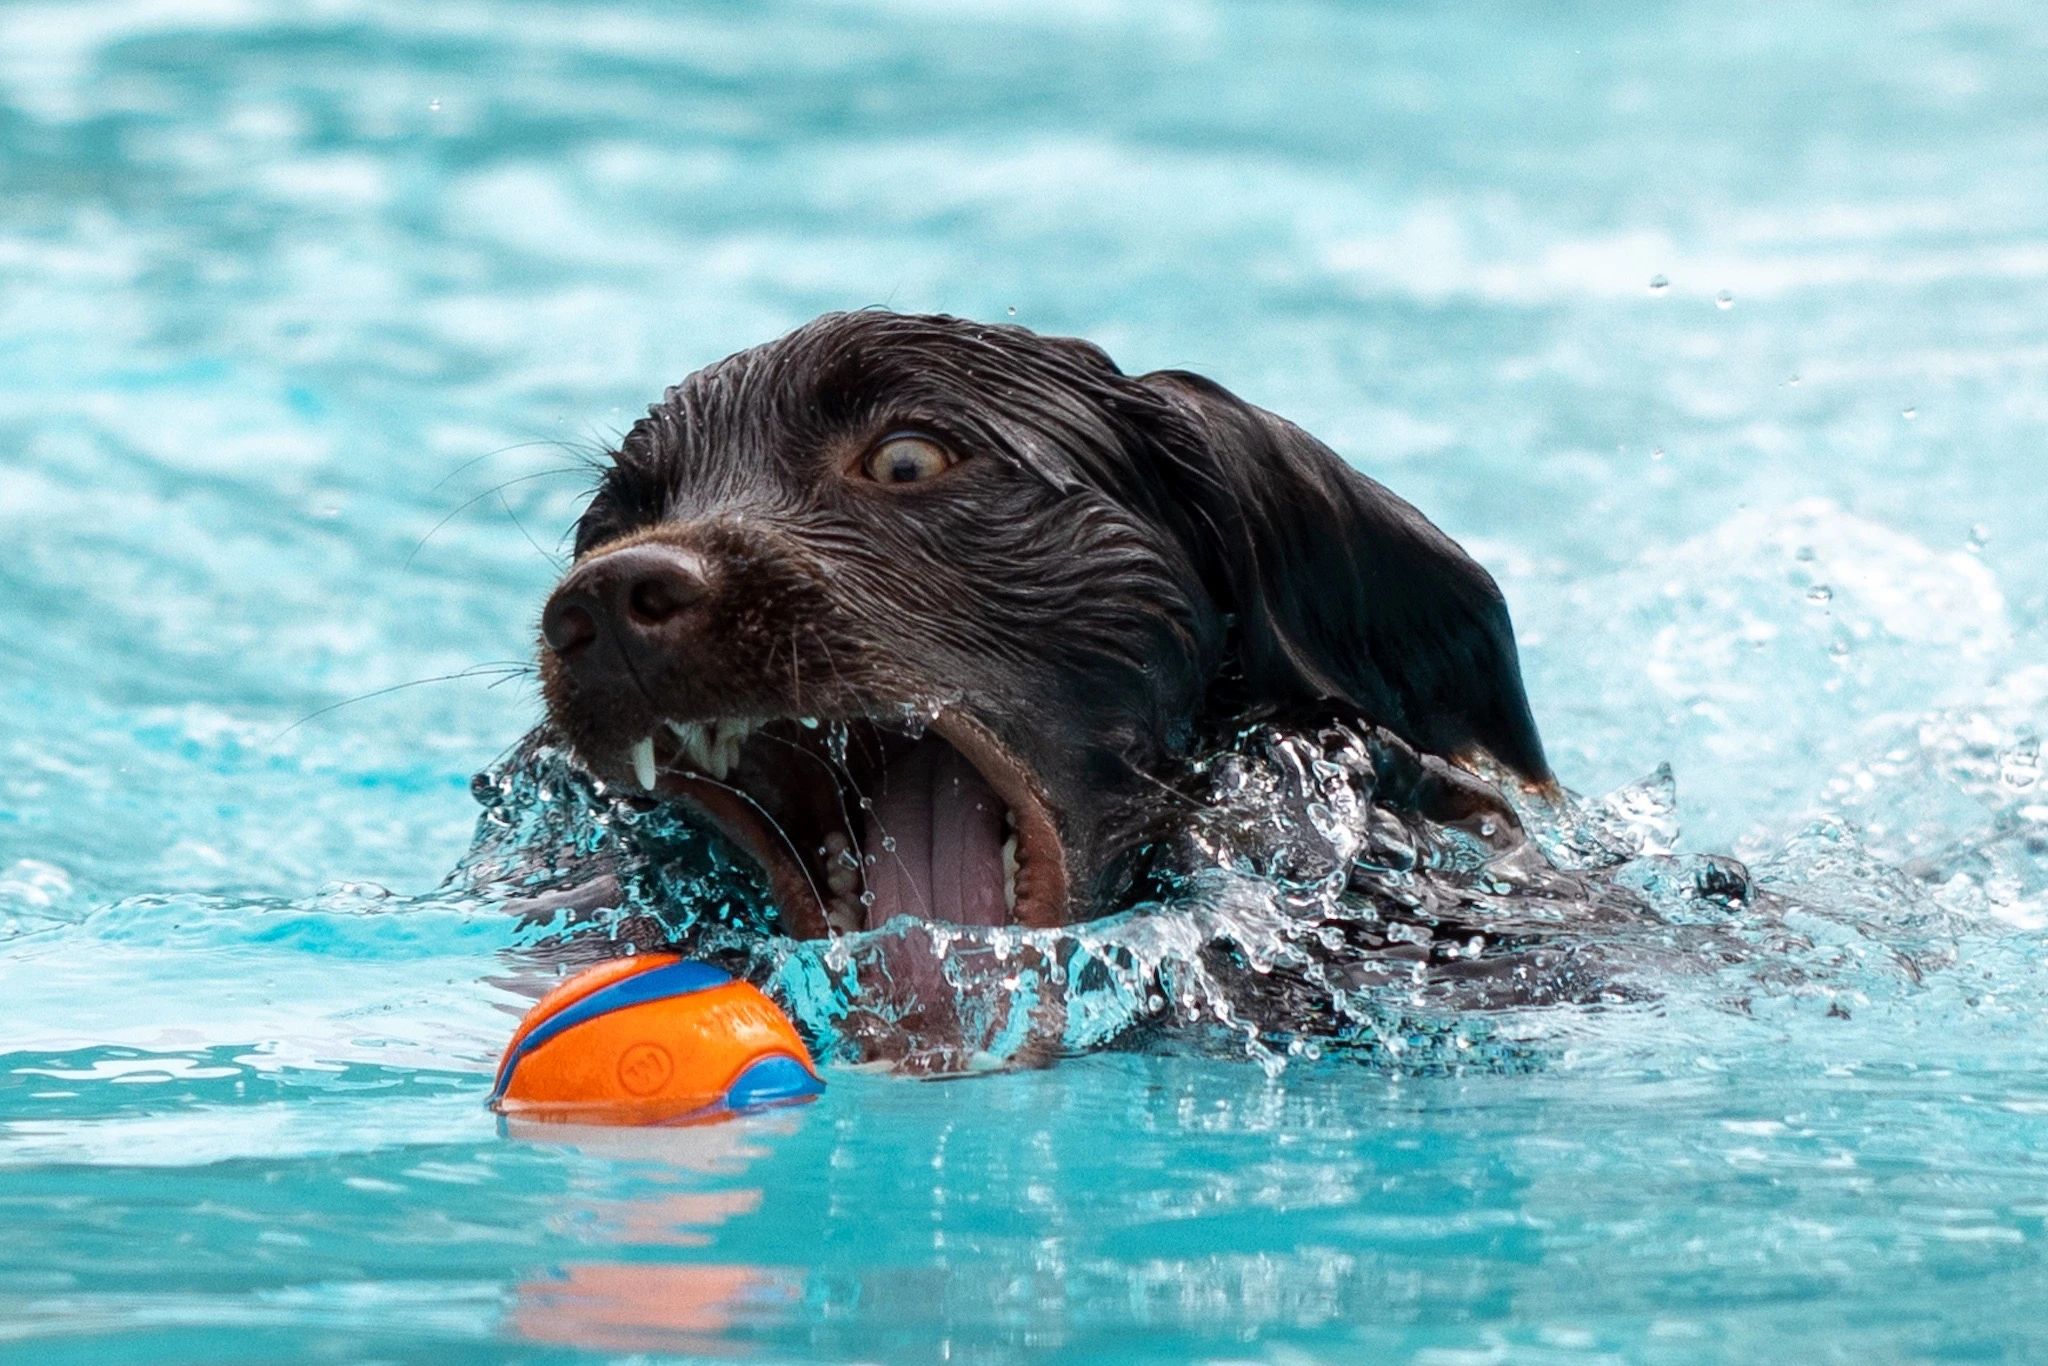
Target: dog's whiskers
[506,671]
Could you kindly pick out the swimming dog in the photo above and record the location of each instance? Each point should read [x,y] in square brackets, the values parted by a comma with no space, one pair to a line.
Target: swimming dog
[921,613]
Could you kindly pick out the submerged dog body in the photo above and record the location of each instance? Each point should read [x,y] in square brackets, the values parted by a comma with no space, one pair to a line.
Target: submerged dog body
[924,614]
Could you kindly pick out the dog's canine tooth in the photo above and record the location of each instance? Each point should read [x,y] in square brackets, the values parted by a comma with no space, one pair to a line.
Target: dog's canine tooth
[1010,873]
[732,738]
[643,762]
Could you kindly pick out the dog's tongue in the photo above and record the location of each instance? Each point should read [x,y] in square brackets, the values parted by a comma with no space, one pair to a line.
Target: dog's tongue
[935,831]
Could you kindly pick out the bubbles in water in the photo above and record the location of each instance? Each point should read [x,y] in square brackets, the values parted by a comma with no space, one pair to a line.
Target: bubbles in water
[889,844]
[1656,452]
[1909,413]
[1724,301]
[1820,593]
[1658,284]
[1013,310]
[433,106]
[1794,381]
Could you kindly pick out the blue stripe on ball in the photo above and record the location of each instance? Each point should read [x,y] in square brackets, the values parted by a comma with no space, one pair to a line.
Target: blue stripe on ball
[771,1080]
[677,979]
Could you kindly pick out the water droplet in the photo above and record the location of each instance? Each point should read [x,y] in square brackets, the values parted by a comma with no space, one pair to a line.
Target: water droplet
[433,106]
[1013,310]
[1980,536]
[867,898]
[1724,301]
[1656,452]
[1839,649]
[1658,284]
[889,844]
[1794,381]
[1155,1003]
[2020,766]
[1804,554]
[1820,592]
[1909,413]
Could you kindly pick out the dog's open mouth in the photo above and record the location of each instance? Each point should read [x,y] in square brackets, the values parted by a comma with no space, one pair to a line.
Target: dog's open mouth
[859,821]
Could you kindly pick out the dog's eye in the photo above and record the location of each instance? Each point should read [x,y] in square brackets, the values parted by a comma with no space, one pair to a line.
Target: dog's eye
[907,459]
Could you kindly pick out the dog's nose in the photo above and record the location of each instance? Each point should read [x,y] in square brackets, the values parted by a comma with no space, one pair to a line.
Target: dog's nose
[638,593]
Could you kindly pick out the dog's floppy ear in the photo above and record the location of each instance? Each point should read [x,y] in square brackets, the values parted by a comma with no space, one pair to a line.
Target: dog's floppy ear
[1341,590]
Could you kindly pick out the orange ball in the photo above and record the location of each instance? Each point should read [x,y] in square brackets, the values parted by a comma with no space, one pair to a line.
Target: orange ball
[649,1040]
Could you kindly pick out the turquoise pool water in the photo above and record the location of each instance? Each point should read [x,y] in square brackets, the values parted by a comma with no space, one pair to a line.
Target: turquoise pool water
[1719,331]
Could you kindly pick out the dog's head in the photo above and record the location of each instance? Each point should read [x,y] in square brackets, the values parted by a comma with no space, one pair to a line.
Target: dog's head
[917,611]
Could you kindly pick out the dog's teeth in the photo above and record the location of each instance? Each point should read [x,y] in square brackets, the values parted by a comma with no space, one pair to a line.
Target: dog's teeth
[643,762]
[808,722]
[843,917]
[841,868]
[1010,873]
[696,744]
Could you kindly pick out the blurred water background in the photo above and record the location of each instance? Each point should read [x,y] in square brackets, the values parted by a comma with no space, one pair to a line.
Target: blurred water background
[1719,332]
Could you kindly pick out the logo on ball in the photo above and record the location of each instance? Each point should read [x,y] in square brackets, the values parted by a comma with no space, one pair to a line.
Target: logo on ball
[645,1068]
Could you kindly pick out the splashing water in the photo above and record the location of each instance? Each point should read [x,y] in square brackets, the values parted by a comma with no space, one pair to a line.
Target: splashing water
[1300,911]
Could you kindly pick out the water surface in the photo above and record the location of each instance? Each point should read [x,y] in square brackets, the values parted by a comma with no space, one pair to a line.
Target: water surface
[1715,331]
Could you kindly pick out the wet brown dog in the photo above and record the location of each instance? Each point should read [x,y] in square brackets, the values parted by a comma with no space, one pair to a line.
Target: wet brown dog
[918,611]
